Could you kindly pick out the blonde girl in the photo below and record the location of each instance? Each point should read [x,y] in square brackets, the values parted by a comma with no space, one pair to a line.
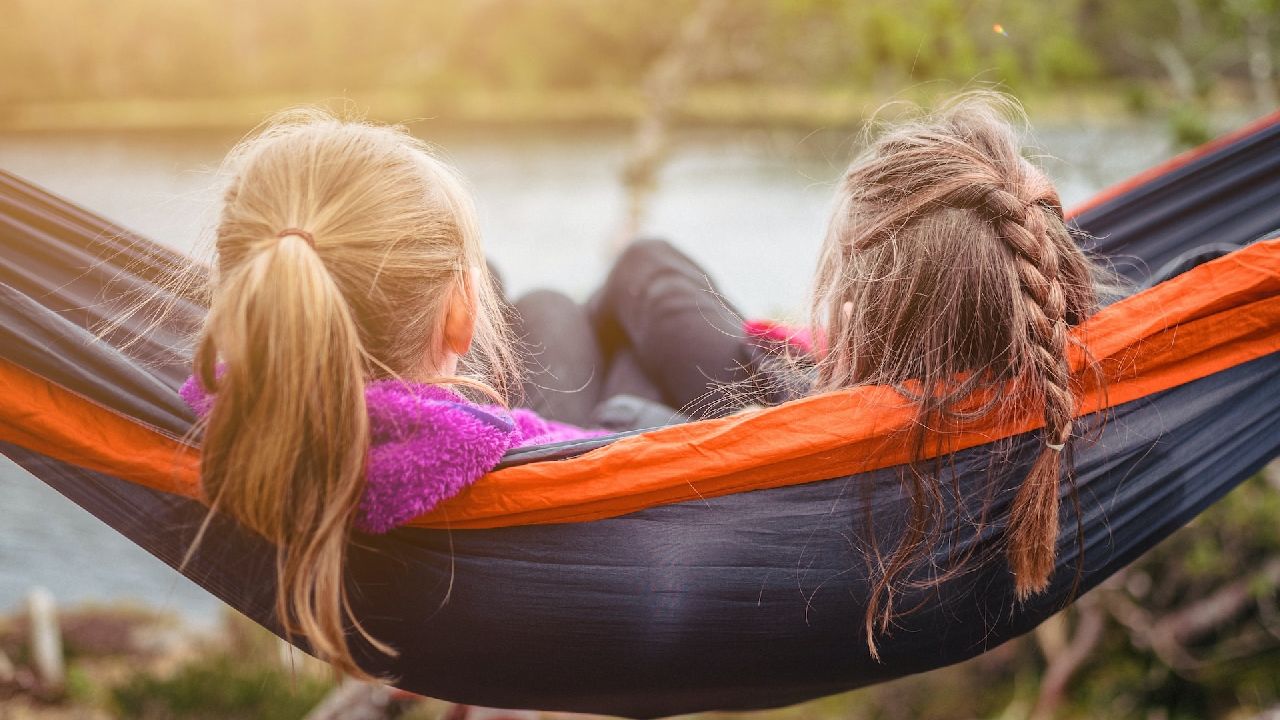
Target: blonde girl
[349,281]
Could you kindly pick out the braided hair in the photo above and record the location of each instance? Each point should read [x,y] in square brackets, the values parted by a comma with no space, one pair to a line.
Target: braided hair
[949,273]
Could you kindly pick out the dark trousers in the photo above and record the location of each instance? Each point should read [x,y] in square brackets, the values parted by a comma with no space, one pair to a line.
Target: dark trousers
[564,363]
[658,329]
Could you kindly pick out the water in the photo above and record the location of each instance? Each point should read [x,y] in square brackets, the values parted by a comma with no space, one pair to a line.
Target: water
[749,205]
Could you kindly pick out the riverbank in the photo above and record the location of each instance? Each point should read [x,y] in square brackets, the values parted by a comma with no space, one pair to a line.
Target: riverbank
[718,105]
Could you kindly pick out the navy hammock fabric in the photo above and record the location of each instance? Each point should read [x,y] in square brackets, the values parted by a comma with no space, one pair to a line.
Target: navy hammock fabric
[745,600]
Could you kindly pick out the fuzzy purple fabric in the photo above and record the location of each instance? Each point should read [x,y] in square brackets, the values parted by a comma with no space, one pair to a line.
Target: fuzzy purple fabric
[427,443]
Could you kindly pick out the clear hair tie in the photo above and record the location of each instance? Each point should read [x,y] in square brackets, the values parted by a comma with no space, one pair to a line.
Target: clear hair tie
[1056,448]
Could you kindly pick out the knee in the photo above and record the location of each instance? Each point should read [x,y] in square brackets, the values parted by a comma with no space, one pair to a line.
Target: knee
[645,252]
[639,262]
[541,311]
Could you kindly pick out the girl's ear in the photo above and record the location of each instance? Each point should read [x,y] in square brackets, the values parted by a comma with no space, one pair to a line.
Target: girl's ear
[460,319]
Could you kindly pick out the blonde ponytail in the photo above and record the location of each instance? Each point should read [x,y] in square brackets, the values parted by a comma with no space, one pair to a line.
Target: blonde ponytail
[338,247]
[285,443]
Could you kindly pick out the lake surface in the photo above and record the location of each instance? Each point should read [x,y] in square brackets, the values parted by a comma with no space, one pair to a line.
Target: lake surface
[749,205]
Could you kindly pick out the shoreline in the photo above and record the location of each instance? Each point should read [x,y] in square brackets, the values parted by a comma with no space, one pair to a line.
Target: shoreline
[711,106]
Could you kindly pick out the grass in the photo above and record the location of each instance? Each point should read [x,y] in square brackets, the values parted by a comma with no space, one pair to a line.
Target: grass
[219,686]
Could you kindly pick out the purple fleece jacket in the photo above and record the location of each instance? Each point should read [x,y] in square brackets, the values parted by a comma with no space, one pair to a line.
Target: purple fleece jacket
[427,443]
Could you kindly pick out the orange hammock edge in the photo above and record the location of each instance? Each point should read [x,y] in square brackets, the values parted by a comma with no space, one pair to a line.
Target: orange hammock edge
[1214,317]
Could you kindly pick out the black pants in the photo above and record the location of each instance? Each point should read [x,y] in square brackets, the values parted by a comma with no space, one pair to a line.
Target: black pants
[658,329]
[563,362]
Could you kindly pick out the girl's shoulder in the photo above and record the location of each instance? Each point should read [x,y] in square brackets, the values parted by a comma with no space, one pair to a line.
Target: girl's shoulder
[427,443]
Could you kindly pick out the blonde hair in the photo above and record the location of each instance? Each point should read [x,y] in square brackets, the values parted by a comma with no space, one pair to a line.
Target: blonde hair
[948,271]
[337,250]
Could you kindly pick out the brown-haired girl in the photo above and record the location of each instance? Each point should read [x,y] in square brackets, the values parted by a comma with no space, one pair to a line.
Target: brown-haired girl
[349,280]
[947,272]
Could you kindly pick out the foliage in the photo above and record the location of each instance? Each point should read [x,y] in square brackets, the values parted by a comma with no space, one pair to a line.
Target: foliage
[1193,625]
[452,54]
[242,677]
[220,686]
[1189,127]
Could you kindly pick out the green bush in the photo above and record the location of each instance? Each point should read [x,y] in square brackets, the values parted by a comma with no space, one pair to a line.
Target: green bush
[1189,127]
[1138,98]
[216,687]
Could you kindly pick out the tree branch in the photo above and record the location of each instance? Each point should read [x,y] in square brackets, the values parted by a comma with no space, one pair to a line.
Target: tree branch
[1169,635]
[1063,664]
[665,86]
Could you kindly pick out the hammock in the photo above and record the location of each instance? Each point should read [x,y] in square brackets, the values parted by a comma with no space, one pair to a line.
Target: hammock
[716,564]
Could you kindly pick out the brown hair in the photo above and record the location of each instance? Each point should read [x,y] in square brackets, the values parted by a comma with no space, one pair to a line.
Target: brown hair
[948,272]
[337,248]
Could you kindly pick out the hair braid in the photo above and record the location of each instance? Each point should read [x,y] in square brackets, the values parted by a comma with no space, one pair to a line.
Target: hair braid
[948,273]
[1033,517]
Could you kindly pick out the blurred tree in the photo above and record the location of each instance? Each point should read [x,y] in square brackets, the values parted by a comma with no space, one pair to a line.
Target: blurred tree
[74,50]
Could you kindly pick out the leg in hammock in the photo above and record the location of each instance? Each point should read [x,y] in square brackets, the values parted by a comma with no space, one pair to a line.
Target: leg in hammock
[566,376]
[626,377]
[685,336]
[564,367]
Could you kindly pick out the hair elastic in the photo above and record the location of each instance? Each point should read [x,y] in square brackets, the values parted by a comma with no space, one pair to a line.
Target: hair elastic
[1056,448]
[306,236]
